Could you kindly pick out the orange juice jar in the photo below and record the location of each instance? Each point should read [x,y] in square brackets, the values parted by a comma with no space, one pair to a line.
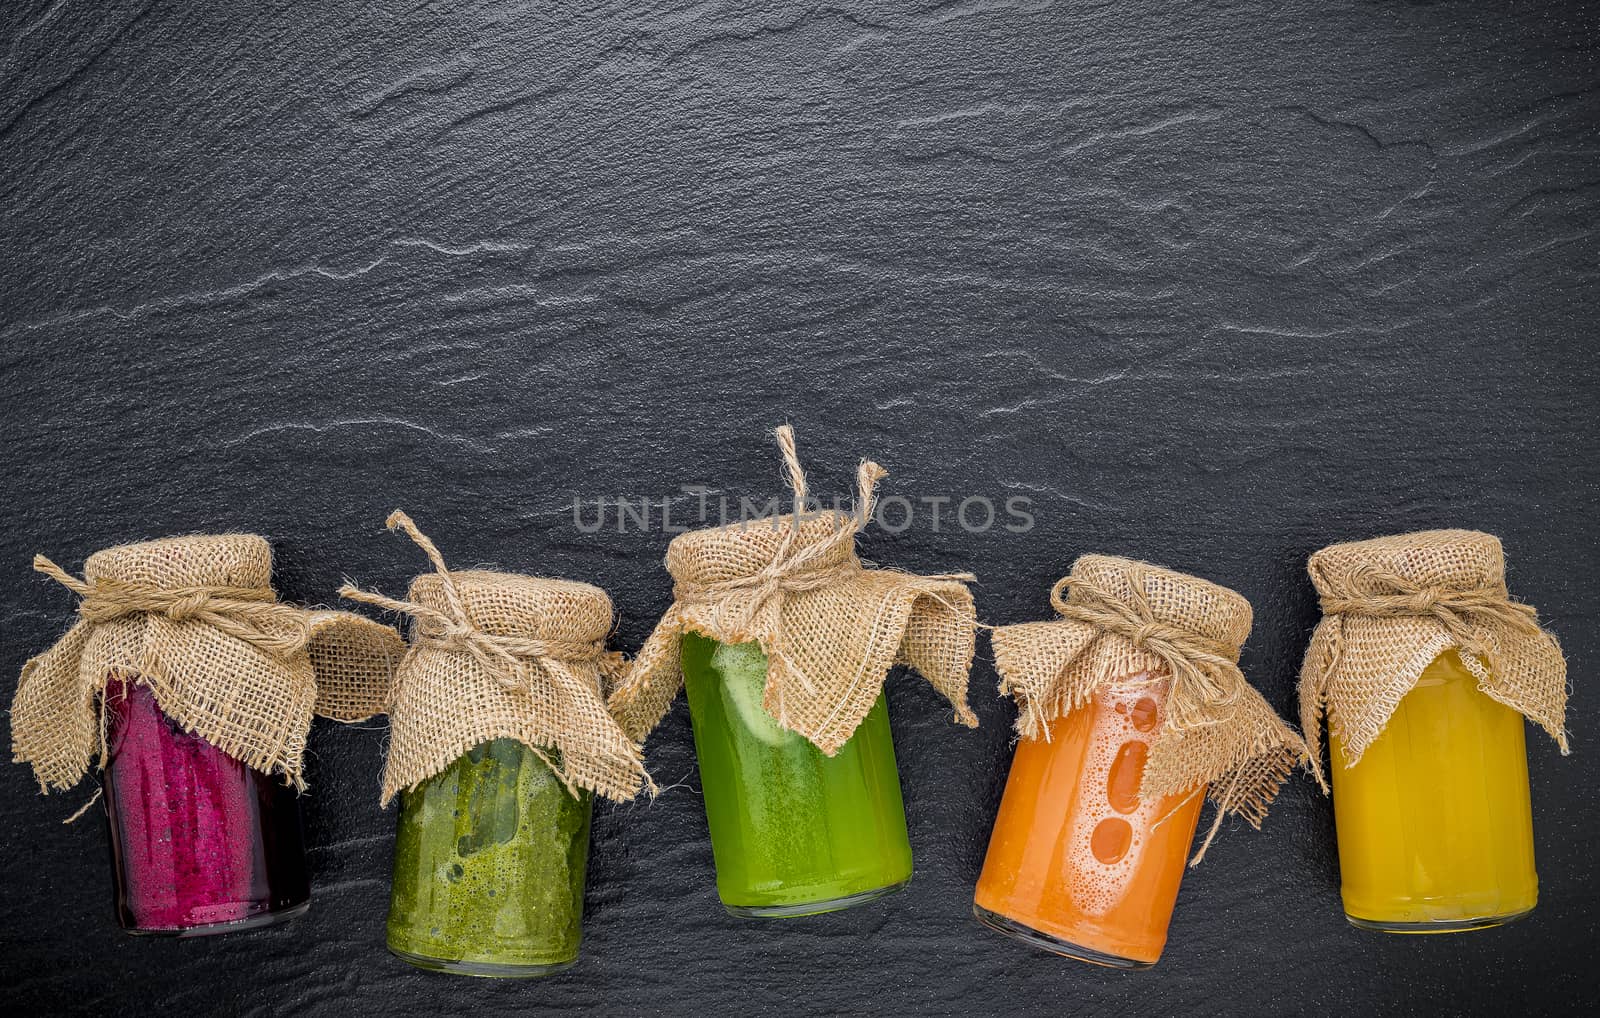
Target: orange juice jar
[1132,708]
[1078,862]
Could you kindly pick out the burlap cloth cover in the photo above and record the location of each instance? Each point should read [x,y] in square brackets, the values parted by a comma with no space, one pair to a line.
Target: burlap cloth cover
[1393,604]
[830,627]
[196,620]
[503,656]
[1121,618]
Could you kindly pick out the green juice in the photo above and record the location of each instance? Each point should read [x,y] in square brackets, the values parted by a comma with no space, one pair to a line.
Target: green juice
[793,832]
[489,867]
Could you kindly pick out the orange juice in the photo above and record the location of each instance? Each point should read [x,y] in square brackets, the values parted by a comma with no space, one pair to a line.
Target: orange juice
[1078,864]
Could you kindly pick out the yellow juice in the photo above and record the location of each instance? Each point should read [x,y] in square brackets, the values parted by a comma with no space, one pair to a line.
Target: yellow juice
[1435,825]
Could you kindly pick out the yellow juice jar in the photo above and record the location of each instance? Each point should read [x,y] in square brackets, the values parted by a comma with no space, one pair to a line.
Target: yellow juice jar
[1425,669]
[1435,823]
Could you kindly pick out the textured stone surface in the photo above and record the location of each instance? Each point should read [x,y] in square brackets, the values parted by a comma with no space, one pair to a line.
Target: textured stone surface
[1213,284]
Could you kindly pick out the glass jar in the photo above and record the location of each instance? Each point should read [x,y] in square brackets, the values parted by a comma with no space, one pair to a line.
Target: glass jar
[1078,864]
[489,867]
[793,832]
[1434,822]
[200,842]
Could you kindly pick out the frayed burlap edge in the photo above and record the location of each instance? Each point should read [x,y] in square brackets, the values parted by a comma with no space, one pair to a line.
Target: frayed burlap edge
[831,629]
[230,665]
[904,603]
[1392,605]
[1217,731]
[500,655]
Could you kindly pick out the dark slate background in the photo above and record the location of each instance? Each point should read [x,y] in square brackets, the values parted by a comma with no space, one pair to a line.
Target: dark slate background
[1212,284]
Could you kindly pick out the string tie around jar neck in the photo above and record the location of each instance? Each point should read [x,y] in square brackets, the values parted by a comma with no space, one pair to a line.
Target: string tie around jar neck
[1206,683]
[1466,615]
[252,615]
[506,658]
[1391,606]
[1205,671]
[796,567]
[1381,593]
[791,569]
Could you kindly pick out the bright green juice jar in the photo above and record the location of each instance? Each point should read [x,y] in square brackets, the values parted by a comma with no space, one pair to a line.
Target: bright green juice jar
[489,867]
[793,832]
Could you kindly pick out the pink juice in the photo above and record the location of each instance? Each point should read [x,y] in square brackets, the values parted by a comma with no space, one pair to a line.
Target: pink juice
[200,842]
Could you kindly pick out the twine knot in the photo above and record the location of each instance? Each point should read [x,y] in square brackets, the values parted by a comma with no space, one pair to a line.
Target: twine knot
[250,614]
[829,626]
[1131,617]
[506,658]
[1464,614]
[188,606]
[792,569]
[562,719]
[1387,600]
[1243,747]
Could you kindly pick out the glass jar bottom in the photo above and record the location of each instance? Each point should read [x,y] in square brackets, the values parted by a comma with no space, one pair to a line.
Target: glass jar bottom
[1055,945]
[482,969]
[805,908]
[254,922]
[1465,925]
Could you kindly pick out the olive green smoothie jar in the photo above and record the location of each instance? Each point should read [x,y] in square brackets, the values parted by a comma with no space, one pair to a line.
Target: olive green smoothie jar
[500,740]
[488,867]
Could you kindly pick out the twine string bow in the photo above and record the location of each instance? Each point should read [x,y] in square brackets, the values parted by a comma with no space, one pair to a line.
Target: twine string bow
[1205,672]
[1464,614]
[798,571]
[252,615]
[1470,617]
[504,657]
[792,571]
[513,661]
